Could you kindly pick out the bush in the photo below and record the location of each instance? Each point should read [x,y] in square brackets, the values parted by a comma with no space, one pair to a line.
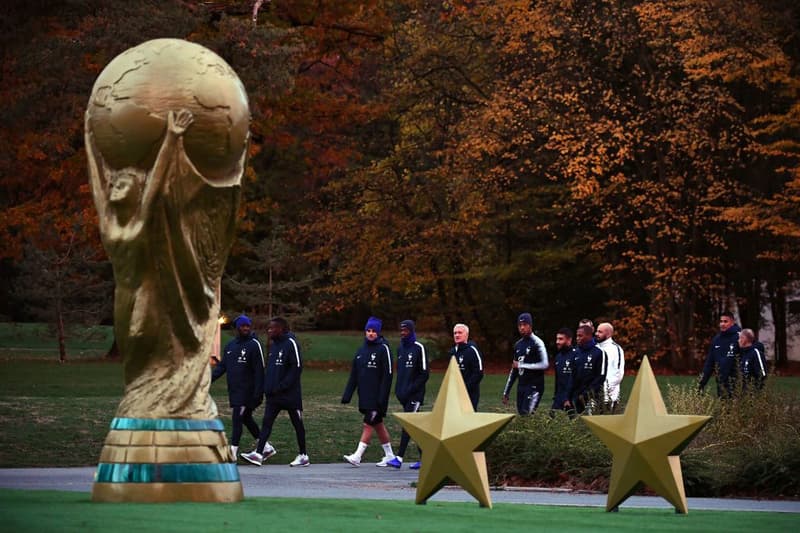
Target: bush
[548,450]
[751,447]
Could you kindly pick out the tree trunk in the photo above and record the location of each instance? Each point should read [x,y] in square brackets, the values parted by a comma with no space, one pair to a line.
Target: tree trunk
[777,293]
[62,348]
[679,319]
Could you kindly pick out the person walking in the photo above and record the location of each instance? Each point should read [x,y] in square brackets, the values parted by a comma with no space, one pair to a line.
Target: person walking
[721,357]
[371,375]
[564,364]
[751,361]
[588,374]
[282,390]
[530,362]
[615,356]
[470,362]
[412,375]
[243,362]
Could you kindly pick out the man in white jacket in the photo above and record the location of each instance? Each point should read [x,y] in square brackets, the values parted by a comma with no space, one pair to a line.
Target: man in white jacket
[616,363]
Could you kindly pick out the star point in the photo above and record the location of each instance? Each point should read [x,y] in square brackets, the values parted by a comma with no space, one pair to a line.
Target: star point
[453,437]
[645,443]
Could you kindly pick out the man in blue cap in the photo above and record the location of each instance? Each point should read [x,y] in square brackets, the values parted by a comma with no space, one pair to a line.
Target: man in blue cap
[243,362]
[371,375]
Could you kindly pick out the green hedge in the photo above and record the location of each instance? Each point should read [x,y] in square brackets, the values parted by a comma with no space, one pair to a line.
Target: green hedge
[750,448]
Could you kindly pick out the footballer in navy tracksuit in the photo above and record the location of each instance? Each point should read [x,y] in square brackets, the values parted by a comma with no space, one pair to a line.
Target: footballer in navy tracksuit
[530,362]
[588,372]
[753,370]
[282,386]
[371,375]
[469,361]
[412,375]
[752,362]
[722,355]
[243,362]
[564,363]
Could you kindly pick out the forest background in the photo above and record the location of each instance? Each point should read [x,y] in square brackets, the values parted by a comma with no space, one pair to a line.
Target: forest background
[635,161]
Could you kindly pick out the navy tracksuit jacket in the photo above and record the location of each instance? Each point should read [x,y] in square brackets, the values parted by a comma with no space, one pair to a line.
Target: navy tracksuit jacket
[412,373]
[243,362]
[470,363]
[565,362]
[371,374]
[722,355]
[282,379]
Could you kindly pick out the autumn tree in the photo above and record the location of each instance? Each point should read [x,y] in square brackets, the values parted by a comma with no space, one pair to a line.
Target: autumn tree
[65,283]
[272,280]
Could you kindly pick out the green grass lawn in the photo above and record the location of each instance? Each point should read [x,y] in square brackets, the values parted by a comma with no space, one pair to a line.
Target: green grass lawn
[66,408]
[39,341]
[69,511]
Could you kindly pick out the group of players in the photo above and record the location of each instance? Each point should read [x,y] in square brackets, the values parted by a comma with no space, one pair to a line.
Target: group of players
[587,374]
[737,357]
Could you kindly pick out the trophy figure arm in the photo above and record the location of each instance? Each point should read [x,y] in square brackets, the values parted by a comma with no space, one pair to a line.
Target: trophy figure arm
[176,127]
[97,178]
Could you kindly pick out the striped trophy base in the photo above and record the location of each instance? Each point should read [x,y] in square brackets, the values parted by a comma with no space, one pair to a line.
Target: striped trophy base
[166,460]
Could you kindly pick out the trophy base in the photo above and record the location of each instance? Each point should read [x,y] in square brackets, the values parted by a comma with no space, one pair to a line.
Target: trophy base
[167,492]
[166,460]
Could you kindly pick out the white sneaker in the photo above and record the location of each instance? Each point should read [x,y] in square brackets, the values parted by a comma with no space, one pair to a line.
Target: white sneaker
[385,460]
[253,457]
[353,459]
[300,460]
[269,451]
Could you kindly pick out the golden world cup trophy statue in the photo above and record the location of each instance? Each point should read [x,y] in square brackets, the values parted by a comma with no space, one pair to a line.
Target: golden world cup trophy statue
[167,128]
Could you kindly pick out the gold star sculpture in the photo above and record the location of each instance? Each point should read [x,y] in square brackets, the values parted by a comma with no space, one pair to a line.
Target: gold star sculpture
[645,443]
[453,437]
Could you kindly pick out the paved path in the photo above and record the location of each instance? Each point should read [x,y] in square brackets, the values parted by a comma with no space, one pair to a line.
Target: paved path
[370,482]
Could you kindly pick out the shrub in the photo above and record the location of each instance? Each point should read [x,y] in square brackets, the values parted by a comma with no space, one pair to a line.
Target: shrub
[548,450]
[751,447]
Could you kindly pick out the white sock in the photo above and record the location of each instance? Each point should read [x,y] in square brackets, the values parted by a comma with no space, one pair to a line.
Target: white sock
[235,452]
[362,447]
[387,450]
[398,458]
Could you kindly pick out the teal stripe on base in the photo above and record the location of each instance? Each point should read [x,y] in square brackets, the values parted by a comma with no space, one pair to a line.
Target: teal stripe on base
[167,424]
[166,473]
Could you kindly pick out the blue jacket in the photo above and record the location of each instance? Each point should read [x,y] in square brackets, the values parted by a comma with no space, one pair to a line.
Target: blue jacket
[565,362]
[412,372]
[722,355]
[531,354]
[243,361]
[371,374]
[284,366]
[471,365]
[588,373]
[753,367]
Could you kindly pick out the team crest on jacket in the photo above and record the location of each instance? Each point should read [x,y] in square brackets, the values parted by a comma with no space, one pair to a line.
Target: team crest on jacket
[279,358]
[242,357]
